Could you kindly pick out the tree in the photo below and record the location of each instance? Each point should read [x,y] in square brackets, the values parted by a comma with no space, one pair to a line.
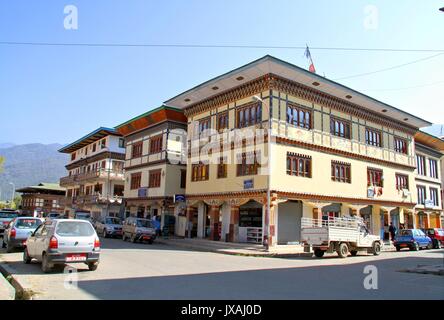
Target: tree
[2,161]
[17,202]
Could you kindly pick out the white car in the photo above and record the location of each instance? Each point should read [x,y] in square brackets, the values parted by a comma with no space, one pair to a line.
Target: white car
[63,241]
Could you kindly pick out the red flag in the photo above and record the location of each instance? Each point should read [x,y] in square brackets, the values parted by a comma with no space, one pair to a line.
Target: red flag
[311,68]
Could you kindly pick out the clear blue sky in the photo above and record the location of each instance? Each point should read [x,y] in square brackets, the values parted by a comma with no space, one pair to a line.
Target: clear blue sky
[58,94]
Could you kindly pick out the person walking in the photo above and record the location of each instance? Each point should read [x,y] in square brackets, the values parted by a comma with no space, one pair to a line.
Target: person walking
[392,231]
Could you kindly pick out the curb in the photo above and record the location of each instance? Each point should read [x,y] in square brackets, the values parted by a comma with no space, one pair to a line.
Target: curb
[20,293]
[8,289]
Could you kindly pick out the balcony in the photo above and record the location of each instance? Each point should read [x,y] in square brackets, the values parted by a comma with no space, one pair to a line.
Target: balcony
[96,199]
[102,174]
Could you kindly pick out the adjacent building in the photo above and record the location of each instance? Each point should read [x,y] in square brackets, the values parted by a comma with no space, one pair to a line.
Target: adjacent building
[270,143]
[429,151]
[155,166]
[42,199]
[95,179]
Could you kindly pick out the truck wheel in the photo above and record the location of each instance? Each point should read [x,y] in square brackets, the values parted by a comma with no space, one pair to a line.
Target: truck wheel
[343,250]
[377,248]
[319,253]
[354,253]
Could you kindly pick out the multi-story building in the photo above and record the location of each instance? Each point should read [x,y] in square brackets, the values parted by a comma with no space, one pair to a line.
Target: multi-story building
[429,154]
[331,151]
[42,199]
[155,166]
[95,179]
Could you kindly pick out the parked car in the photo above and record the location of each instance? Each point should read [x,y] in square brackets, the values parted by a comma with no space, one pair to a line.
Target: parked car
[437,236]
[138,229]
[63,241]
[83,216]
[54,215]
[6,216]
[109,227]
[18,231]
[414,239]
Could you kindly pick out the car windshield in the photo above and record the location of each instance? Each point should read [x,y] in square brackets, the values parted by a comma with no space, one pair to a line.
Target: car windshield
[8,215]
[74,229]
[82,216]
[144,223]
[28,223]
[405,233]
[112,221]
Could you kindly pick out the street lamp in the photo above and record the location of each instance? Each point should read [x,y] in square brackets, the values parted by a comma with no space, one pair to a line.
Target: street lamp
[267,212]
[13,192]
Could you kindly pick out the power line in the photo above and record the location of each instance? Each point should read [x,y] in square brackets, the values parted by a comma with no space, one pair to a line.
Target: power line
[159,45]
[390,68]
[411,87]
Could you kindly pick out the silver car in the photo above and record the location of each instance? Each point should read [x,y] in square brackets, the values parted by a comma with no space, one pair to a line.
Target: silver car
[138,229]
[109,227]
[63,241]
[18,231]
[6,216]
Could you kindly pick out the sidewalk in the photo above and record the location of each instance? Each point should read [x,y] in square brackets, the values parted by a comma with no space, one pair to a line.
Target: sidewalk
[244,249]
[7,291]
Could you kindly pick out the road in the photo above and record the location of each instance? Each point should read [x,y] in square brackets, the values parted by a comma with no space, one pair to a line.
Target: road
[159,271]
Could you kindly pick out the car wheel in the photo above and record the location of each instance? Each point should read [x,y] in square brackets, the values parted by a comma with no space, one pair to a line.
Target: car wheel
[376,248]
[319,253]
[150,241]
[415,247]
[354,253]
[430,246]
[104,233]
[438,244]
[45,264]
[26,258]
[343,250]
[92,266]
[398,248]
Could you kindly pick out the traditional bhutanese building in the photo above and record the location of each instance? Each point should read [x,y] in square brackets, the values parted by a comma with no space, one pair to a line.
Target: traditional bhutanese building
[155,166]
[332,151]
[42,199]
[429,152]
[95,182]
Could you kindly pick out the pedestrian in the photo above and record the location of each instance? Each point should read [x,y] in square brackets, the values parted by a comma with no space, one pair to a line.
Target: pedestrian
[392,231]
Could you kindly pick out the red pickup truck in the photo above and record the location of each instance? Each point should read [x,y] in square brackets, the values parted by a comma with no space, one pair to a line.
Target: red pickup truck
[437,236]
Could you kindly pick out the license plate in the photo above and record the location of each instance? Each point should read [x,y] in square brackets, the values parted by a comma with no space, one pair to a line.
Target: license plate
[76,257]
[403,245]
[146,238]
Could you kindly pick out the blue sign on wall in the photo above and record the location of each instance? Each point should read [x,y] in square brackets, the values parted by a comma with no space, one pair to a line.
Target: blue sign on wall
[248,184]
[179,198]
[142,192]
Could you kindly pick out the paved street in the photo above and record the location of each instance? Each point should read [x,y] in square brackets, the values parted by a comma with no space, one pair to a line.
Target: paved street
[141,271]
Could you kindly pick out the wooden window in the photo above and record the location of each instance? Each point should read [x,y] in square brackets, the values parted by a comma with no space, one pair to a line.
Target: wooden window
[299,116]
[373,137]
[200,172]
[298,165]
[204,126]
[222,121]
[434,196]
[136,149]
[374,177]
[222,168]
[94,147]
[136,180]
[340,128]
[341,172]
[118,190]
[249,115]
[421,165]
[103,164]
[156,144]
[154,178]
[421,194]
[402,181]
[121,143]
[73,156]
[183,179]
[247,164]
[103,144]
[400,145]
[433,164]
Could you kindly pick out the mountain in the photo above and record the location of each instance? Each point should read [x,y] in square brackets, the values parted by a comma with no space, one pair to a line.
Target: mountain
[30,164]
[4,145]
[437,130]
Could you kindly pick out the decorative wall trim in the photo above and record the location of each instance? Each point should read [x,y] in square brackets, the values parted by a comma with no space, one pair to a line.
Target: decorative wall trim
[97,157]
